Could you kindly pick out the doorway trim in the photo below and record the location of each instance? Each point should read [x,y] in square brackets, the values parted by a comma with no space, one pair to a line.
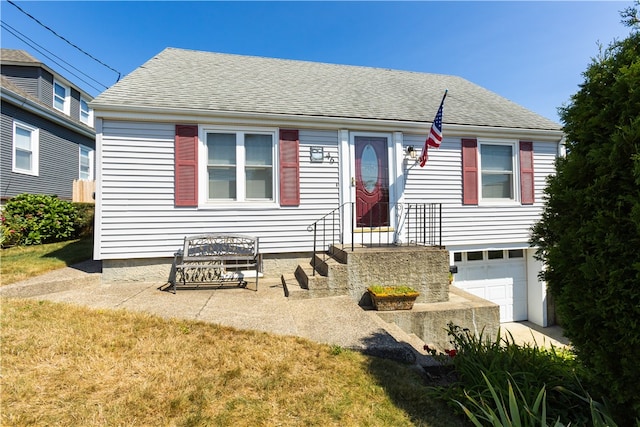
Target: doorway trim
[347,176]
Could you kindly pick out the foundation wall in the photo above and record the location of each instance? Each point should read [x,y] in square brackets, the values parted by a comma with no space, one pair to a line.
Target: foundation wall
[158,269]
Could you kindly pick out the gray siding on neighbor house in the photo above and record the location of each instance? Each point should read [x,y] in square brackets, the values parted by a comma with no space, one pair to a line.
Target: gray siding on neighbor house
[46,88]
[26,78]
[58,151]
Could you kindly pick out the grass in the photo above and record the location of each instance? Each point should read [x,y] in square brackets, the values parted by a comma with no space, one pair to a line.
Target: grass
[68,365]
[392,290]
[22,262]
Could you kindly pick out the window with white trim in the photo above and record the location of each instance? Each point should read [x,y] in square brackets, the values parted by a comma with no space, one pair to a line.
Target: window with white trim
[240,165]
[26,146]
[61,97]
[86,114]
[86,163]
[497,164]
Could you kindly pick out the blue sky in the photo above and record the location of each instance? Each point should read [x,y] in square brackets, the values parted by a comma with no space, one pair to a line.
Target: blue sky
[532,53]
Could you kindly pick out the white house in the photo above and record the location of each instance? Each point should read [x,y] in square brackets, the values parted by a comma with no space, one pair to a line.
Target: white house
[194,142]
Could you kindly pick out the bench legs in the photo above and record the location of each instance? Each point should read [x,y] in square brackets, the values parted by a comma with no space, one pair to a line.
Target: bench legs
[206,275]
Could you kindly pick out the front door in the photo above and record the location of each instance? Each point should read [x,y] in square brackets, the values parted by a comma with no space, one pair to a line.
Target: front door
[371,181]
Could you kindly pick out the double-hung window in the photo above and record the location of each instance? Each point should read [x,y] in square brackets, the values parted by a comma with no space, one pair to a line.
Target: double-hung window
[240,166]
[61,97]
[86,115]
[25,149]
[86,163]
[497,163]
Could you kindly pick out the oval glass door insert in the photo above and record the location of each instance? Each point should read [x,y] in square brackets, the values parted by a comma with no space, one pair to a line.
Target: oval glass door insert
[369,168]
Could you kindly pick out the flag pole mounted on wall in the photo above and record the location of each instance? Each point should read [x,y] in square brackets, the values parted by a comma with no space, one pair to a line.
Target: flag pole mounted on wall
[435,134]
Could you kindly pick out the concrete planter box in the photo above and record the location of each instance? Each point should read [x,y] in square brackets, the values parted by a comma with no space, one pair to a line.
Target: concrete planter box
[389,299]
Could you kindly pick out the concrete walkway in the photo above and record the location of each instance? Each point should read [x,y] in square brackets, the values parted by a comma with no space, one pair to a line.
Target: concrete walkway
[332,320]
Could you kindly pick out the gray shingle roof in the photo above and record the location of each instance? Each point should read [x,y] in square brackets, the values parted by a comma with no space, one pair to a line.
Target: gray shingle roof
[15,56]
[186,79]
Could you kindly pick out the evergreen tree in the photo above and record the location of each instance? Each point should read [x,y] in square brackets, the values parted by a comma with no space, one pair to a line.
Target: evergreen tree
[589,234]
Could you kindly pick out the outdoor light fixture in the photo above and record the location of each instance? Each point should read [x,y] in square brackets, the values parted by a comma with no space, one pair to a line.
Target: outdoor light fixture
[411,152]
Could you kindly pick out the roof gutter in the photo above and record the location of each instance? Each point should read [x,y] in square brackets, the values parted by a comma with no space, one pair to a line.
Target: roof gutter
[35,108]
[172,115]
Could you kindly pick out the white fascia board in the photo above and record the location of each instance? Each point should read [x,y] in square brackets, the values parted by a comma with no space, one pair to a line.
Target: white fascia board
[37,109]
[164,114]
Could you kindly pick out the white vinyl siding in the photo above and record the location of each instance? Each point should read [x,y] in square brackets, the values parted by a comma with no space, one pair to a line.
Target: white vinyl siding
[440,181]
[138,218]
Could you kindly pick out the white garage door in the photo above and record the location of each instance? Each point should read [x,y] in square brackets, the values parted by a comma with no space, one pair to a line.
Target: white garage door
[499,276]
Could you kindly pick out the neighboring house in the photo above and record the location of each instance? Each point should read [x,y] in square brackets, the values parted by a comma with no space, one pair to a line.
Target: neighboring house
[48,139]
[195,142]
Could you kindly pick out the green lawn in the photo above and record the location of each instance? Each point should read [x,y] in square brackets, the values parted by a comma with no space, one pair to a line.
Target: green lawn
[22,262]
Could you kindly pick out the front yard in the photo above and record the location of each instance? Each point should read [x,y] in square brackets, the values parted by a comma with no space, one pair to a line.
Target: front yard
[22,262]
[66,365]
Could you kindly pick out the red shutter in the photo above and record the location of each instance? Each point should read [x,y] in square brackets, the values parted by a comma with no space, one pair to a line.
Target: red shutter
[289,168]
[527,191]
[186,165]
[469,171]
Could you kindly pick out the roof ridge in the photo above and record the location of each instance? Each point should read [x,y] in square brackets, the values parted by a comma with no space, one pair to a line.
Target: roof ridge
[306,61]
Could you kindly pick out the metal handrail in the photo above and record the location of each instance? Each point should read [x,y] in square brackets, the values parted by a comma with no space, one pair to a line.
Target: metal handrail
[421,223]
[322,221]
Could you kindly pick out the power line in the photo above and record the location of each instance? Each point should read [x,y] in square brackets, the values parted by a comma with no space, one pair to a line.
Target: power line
[40,49]
[64,39]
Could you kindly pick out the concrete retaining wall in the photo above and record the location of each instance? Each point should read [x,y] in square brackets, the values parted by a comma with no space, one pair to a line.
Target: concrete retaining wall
[429,321]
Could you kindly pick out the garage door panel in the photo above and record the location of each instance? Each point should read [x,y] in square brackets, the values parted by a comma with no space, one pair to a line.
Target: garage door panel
[502,281]
[497,292]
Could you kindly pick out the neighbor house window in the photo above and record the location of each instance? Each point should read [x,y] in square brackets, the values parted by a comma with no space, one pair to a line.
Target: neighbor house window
[61,94]
[240,166]
[497,176]
[86,115]
[25,149]
[86,163]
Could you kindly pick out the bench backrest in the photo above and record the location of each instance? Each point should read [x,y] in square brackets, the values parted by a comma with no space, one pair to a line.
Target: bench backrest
[220,245]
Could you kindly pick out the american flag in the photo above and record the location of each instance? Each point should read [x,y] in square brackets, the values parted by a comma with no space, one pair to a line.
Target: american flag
[435,134]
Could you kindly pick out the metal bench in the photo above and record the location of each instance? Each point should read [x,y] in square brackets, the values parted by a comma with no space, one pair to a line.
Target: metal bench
[216,258]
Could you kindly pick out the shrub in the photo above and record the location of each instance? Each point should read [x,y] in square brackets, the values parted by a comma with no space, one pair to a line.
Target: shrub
[33,219]
[528,369]
[589,233]
[84,221]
